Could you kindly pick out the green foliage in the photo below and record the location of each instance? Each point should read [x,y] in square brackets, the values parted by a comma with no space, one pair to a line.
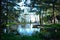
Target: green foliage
[53,25]
[11,23]
[45,33]
[18,37]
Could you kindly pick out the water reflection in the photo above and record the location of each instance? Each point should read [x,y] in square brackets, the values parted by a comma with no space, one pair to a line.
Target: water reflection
[27,15]
[28,30]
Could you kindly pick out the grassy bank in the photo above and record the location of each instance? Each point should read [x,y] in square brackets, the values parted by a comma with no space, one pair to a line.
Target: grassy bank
[52,33]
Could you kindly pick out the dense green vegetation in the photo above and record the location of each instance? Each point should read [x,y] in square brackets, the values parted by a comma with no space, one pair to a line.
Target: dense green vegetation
[18,37]
[9,16]
[45,34]
[53,26]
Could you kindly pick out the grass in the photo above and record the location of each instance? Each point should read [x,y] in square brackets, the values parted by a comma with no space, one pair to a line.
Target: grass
[18,37]
[53,25]
[43,35]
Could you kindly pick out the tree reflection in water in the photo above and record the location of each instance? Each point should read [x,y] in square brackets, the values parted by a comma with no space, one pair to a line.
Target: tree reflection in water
[28,30]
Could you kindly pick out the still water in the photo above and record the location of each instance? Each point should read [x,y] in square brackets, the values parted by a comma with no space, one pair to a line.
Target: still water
[28,30]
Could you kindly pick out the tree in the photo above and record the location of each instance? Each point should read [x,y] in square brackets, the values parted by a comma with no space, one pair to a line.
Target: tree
[8,13]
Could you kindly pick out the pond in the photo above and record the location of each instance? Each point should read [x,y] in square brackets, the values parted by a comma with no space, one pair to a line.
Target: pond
[27,30]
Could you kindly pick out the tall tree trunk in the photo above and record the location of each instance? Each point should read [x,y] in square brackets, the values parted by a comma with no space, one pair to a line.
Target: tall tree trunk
[53,13]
